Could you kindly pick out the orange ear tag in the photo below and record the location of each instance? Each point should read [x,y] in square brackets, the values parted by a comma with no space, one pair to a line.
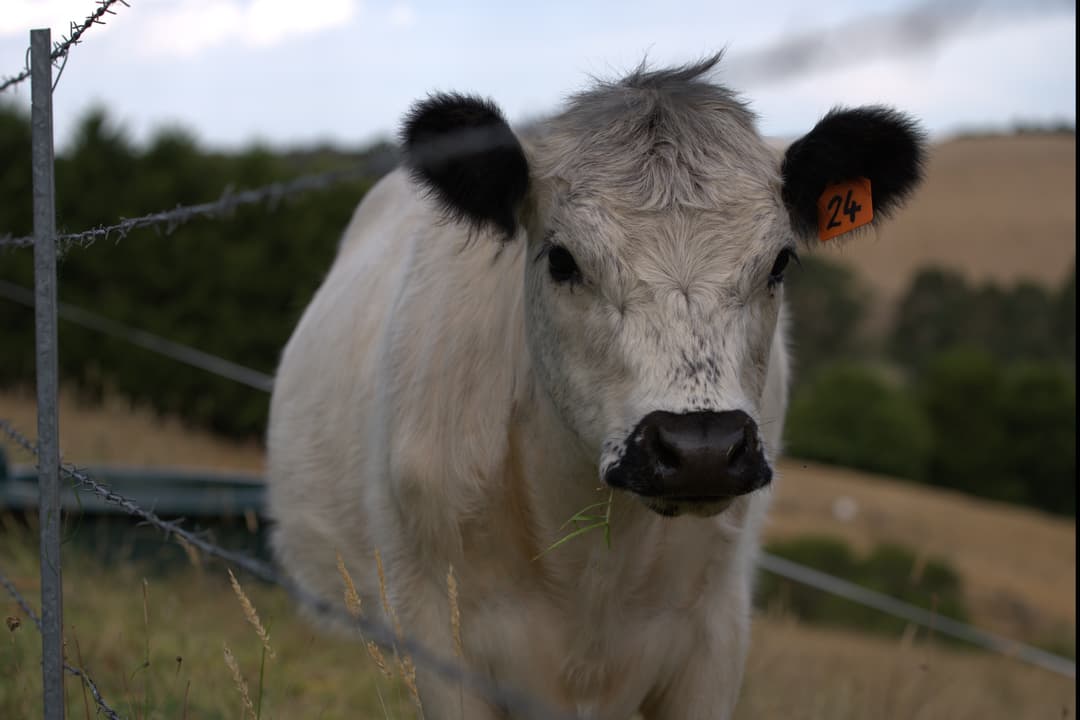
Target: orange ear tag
[844,207]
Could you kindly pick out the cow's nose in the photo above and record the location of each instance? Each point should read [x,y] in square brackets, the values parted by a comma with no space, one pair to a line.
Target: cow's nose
[701,455]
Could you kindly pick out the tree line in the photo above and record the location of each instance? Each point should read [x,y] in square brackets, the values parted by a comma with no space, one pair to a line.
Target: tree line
[233,287]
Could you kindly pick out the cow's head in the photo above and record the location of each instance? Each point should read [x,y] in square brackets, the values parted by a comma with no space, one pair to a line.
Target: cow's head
[658,227]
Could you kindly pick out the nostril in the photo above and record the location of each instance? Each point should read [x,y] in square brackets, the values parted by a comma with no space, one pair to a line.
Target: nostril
[737,450]
[666,449]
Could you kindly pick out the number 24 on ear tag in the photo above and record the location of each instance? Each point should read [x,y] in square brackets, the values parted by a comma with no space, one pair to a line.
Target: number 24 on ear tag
[844,207]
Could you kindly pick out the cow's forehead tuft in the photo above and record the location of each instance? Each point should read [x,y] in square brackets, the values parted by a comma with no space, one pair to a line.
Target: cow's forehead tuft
[654,140]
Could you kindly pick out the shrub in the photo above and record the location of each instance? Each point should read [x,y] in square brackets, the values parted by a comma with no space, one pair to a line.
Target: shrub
[959,391]
[890,569]
[1063,325]
[1002,433]
[940,311]
[848,415]
[827,307]
[1038,415]
[934,314]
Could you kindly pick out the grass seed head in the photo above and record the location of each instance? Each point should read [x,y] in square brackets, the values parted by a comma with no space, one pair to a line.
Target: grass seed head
[385,596]
[251,614]
[378,659]
[234,668]
[455,611]
[352,598]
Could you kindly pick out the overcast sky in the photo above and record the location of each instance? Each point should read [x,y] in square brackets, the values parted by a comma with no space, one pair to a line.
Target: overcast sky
[344,71]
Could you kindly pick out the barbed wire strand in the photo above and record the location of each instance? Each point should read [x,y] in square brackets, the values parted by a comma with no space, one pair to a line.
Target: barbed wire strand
[912,613]
[71,669]
[64,45]
[506,698]
[271,194]
[146,340]
[375,166]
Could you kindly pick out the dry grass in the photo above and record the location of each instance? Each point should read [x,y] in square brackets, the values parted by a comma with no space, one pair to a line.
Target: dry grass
[118,433]
[175,661]
[1000,209]
[801,673]
[794,671]
[1018,565]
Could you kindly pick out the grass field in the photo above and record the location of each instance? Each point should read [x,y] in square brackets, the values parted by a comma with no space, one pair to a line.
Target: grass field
[1018,567]
[121,434]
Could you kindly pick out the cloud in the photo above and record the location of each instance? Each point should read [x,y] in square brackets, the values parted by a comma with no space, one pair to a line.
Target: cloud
[401,15]
[918,30]
[972,81]
[187,27]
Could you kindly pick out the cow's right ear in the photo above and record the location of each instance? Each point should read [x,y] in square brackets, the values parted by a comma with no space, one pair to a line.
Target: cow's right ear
[874,143]
[461,149]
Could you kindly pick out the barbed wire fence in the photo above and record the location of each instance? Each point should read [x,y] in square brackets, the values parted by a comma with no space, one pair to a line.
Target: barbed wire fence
[503,697]
[60,51]
[167,221]
[103,707]
[47,244]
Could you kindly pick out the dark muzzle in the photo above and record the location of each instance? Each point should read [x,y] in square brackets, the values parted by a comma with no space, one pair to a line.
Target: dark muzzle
[697,457]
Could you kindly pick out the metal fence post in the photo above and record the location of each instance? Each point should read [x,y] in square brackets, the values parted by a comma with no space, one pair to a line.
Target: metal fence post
[41,121]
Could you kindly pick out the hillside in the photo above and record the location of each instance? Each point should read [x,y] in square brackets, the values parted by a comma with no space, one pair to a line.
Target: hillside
[999,208]
[1018,565]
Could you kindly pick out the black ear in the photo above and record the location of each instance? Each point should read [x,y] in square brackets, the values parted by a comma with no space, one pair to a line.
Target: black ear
[877,143]
[461,149]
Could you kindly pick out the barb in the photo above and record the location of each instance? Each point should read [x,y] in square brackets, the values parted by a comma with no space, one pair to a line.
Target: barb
[71,669]
[505,698]
[271,194]
[148,341]
[74,37]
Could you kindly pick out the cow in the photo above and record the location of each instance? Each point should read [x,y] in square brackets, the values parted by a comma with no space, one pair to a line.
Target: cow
[519,325]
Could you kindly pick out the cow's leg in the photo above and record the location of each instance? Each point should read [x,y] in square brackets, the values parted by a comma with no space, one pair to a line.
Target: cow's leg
[707,684]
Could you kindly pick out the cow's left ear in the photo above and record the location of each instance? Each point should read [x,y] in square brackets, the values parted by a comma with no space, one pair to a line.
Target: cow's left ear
[876,143]
[462,150]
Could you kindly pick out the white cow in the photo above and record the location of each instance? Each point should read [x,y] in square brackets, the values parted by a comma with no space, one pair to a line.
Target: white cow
[516,325]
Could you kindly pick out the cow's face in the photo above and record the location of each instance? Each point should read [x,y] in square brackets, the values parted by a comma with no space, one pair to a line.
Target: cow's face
[651,330]
[659,227]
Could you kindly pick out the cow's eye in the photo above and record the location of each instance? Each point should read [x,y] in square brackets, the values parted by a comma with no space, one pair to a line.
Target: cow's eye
[561,265]
[776,275]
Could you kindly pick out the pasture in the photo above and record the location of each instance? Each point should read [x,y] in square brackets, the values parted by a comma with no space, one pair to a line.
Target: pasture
[1015,564]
